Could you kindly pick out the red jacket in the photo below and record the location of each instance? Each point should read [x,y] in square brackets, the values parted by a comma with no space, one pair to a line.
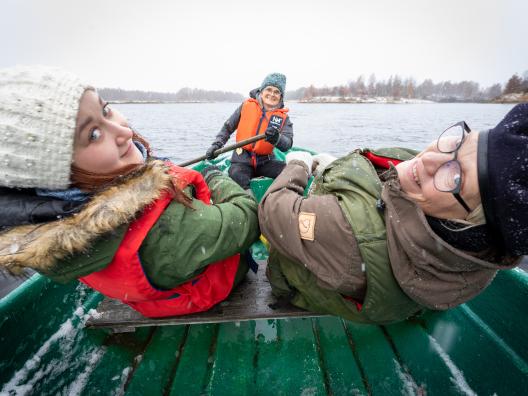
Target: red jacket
[125,280]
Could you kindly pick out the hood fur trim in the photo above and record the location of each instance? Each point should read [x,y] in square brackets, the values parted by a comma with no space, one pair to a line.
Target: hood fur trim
[39,246]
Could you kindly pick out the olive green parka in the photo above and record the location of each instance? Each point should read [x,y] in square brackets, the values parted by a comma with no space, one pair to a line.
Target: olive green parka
[360,248]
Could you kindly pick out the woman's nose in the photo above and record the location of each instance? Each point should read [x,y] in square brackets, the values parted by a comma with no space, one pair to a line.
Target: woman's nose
[121,131]
[433,160]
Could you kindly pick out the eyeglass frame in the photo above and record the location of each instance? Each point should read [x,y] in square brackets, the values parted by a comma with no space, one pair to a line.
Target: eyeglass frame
[275,92]
[455,191]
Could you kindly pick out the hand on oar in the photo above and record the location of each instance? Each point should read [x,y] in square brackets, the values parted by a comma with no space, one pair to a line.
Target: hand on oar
[210,153]
[217,152]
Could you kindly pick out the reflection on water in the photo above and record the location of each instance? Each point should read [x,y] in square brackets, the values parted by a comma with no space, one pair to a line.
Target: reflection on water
[184,131]
[266,330]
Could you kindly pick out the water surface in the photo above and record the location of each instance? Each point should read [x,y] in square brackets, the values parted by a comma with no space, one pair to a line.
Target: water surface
[184,131]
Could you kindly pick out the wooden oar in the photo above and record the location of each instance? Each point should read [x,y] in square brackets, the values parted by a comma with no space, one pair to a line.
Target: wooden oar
[225,149]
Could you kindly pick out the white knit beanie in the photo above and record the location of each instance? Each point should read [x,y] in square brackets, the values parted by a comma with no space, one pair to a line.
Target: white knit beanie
[38,111]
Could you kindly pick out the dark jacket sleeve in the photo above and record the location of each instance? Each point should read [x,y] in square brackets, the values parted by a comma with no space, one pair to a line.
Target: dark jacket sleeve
[23,206]
[286,138]
[228,128]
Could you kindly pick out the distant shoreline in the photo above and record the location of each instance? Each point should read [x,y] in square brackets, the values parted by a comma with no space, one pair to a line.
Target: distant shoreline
[514,98]
[166,102]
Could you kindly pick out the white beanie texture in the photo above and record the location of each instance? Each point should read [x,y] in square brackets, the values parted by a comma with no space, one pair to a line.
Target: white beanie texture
[38,111]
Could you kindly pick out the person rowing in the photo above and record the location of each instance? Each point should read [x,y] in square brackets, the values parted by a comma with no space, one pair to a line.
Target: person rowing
[263,113]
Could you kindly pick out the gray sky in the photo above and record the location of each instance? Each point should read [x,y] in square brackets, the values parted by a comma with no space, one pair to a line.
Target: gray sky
[232,45]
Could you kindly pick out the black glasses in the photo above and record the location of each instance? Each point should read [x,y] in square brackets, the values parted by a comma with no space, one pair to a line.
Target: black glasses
[448,178]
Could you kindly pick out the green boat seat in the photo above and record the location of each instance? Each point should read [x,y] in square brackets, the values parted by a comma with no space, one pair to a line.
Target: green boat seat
[251,300]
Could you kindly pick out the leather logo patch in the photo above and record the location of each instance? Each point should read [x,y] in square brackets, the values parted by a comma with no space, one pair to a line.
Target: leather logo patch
[307,226]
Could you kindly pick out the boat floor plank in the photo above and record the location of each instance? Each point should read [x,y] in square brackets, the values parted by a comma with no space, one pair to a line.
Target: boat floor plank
[380,367]
[425,367]
[334,349]
[121,353]
[157,362]
[195,361]
[232,353]
[251,300]
[276,372]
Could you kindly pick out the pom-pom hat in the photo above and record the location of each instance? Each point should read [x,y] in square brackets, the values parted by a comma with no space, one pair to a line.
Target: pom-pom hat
[38,112]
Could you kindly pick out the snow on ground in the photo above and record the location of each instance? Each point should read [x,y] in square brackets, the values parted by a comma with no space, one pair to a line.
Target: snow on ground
[358,99]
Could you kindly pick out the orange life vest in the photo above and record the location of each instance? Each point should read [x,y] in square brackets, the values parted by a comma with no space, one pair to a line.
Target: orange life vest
[125,280]
[253,121]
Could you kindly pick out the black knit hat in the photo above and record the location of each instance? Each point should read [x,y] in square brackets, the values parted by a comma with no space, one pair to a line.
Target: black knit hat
[503,180]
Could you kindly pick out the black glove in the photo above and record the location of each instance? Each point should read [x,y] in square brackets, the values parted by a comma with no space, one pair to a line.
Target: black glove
[210,171]
[272,134]
[209,154]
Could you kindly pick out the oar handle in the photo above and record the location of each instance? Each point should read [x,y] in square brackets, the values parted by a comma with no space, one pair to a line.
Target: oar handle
[225,149]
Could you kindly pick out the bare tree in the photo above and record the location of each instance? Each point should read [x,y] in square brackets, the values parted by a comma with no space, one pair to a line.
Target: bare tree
[514,85]
[360,86]
[493,92]
[343,91]
[371,89]
[397,87]
[525,81]
[409,85]
[309,93]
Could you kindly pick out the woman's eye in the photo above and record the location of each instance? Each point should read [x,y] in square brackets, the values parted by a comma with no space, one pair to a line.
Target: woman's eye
[106,110]
[95,134]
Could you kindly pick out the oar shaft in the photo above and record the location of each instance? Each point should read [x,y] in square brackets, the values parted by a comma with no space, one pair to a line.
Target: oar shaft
[225,149]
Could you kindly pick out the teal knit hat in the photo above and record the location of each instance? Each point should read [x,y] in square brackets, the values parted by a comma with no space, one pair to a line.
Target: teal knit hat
[276,80]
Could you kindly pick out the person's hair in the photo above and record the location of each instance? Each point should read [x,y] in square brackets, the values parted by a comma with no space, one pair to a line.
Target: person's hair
[91,182]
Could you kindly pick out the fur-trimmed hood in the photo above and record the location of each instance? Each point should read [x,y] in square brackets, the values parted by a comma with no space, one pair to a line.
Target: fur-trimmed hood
[40,246]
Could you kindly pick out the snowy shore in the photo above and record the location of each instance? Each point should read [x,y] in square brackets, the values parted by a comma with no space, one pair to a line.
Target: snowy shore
[357,99]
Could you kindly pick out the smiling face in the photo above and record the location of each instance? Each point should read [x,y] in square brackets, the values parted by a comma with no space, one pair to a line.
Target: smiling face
[103,139]
[270,97]
[417,180]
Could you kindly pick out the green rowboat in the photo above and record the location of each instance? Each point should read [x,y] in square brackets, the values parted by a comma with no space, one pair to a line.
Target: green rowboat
[47,348]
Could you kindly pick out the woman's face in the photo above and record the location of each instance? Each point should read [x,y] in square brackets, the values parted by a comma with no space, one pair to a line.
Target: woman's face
[416,179]
[103,139]
[270,97]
